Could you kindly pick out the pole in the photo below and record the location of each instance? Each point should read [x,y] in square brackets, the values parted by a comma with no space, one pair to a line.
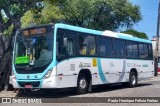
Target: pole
[157,42]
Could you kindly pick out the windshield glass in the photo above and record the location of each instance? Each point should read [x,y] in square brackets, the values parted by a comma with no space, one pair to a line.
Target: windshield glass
[34,51]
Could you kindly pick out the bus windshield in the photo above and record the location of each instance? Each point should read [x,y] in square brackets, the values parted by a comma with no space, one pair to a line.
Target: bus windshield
[34,51]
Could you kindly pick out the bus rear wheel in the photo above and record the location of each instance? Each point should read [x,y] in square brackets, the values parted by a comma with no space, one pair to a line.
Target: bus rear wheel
[133,79]
[82,84]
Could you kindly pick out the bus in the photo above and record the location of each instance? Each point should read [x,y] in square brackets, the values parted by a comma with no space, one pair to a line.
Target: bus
[58,56]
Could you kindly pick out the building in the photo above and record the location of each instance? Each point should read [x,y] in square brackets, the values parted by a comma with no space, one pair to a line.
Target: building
[154,49]
[154,45]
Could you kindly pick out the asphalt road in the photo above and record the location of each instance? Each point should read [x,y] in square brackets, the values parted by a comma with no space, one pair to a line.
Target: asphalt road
[147,88]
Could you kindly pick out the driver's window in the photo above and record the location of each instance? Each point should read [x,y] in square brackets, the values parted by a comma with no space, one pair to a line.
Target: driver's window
[70,48]
[61,48]
[64,47]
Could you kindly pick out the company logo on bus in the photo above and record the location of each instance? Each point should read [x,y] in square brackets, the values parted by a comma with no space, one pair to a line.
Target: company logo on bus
[82,65]
[133,65]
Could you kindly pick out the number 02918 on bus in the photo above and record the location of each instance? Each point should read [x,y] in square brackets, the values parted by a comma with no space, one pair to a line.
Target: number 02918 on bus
[64,56]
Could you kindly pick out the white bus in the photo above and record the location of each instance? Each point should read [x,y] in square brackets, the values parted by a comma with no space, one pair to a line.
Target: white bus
[65,56]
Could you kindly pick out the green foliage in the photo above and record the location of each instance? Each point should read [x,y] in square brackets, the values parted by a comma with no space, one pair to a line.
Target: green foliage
[27,19]
[115,14]
[49,14]
[8,32]
[136,34]
[95,14]
[78,12]
[4,18]
[12,10]
[101,14]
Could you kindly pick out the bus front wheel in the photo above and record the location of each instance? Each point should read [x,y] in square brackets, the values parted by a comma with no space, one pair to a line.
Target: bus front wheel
[133,79]
[82,84]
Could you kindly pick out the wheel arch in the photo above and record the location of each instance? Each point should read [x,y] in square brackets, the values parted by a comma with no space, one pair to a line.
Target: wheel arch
[134,70]
[87,72]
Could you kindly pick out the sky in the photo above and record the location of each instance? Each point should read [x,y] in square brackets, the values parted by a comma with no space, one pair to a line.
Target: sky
[149,11]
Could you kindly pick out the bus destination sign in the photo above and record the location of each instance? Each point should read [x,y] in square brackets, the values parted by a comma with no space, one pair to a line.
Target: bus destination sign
[30,32]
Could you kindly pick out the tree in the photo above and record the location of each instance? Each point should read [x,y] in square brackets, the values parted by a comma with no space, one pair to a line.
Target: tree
[136,33]
[95,14]
[115,14]
[50,13]
[78,12]
[10,13]
[101,14]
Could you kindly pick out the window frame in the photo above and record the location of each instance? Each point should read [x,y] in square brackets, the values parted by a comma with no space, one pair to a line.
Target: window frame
[147,58]
[96,45]
[98,49]
[150,53]
[66,34]
[129,41]
[124,48]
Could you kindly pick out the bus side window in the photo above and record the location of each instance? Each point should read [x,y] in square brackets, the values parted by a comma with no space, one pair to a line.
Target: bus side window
[61,50]
[105,47]
[132,49]
[83,43]
[143,51]
[92,50]
[70,47]
[150,51]
[119,48]
[87,45]
[65,46]
[146,55]
[135,50]
[83,50]
[92,45]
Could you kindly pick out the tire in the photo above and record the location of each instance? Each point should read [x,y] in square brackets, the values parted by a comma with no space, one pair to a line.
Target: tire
[82,84]
[132,79]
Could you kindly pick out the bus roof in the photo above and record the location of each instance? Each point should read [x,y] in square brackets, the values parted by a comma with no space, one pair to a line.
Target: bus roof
[91,31]
[103,33]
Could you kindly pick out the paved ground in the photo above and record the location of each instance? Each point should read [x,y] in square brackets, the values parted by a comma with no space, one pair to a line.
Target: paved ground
[147,88]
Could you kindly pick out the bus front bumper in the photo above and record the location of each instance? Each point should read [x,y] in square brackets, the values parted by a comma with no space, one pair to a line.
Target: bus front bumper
[50,82]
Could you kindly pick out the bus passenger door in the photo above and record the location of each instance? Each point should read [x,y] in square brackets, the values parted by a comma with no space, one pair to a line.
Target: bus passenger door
[66,65]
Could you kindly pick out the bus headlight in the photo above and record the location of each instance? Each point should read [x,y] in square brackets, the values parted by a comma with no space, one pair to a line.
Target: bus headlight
[48,74]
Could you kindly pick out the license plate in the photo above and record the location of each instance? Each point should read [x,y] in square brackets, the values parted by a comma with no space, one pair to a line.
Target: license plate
[28,86]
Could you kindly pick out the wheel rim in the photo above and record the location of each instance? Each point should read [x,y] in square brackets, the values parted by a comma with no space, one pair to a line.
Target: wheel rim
[133,79]
[82,84]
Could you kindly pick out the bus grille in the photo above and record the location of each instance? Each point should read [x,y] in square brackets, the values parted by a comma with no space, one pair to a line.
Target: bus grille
[34,84]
